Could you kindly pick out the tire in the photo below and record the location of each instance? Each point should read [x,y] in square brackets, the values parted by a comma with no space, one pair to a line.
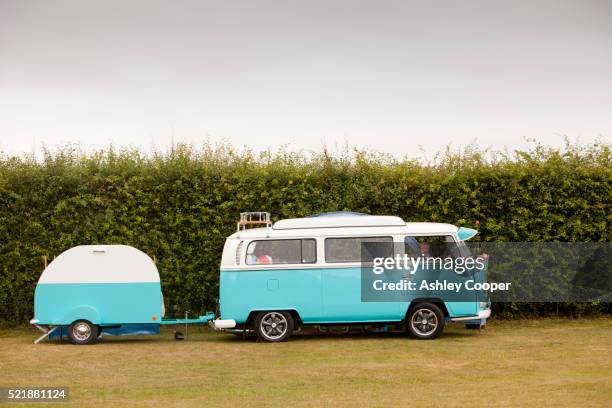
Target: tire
[425,321]
[82,332]
[274,326]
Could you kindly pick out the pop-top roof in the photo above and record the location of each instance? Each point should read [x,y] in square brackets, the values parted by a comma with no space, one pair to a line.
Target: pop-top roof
[337,214]
[337,220]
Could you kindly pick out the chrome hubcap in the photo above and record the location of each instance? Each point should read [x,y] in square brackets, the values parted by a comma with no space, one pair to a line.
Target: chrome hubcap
[273,325]
[81,331]
[424,322]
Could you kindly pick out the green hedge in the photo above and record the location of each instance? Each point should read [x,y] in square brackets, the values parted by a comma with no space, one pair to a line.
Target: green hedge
[180,206]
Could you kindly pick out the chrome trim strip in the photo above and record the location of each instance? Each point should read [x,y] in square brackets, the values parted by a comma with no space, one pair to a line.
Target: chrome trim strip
[483,314]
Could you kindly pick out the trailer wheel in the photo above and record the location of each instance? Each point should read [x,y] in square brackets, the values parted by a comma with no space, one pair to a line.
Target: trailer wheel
[82,332]
[274,326]
[425,321]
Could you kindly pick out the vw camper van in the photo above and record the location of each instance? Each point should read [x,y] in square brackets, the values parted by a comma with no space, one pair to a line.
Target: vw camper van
[276,277]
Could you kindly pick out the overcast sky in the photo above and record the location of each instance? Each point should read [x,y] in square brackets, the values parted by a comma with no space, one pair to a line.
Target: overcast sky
[389,75]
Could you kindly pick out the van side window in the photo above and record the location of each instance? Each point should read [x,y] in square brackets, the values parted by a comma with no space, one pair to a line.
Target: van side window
[281,251]
[309,251]
[442,246]
[349,249]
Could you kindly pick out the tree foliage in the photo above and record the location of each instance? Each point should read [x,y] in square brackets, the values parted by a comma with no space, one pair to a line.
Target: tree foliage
[180,206]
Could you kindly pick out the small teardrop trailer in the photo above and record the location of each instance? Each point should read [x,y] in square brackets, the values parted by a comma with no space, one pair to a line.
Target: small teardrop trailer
[91,290]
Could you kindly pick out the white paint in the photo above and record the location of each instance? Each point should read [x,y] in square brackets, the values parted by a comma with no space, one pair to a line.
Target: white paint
[101,264]
[224,324]
[327,227]
[342,221]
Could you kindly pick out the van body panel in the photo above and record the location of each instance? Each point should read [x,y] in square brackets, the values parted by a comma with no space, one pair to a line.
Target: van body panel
[341,290]
[242,292]
[318,295]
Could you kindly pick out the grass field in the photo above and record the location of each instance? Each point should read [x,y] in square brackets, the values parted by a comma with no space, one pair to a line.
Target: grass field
[550,362]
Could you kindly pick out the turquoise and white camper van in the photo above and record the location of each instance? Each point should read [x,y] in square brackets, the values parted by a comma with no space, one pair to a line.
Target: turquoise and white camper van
[307,271]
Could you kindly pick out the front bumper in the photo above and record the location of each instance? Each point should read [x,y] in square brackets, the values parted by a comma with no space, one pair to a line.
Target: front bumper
[482,315]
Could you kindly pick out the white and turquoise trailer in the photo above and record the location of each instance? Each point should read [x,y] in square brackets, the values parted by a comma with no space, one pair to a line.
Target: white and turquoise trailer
[93,289]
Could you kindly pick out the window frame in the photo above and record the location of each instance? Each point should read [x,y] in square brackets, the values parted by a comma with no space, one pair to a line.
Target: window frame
[352,237]
[246,254]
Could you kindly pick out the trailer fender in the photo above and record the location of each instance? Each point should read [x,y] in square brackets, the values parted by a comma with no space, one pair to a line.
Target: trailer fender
[82,313]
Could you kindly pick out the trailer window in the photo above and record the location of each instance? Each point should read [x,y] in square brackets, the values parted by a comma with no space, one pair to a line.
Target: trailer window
[349,249]
[281,251]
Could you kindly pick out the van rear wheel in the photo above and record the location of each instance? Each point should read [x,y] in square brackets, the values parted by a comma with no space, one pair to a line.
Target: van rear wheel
[274,326]
[425,321]
[82,332]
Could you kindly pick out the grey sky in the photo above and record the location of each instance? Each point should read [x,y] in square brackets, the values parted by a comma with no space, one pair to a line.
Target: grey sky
[383,74]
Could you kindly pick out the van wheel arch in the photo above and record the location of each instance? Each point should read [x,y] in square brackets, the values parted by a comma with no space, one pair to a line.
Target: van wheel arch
[250,321]
[436,301]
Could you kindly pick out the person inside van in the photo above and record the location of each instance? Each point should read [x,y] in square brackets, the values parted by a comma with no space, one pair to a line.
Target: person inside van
[259,257]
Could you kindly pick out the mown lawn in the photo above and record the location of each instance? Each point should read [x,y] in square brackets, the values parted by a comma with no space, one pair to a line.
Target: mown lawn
[550,362]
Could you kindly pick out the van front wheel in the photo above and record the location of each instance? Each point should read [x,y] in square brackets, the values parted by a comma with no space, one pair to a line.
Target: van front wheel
[82,332]
[425,321]
[274,326]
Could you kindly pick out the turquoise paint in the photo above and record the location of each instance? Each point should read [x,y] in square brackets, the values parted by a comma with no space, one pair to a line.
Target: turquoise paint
[200,319]
[466,233]
[321,295]
[469,307]
[241,292]
[100,303]
[341,293]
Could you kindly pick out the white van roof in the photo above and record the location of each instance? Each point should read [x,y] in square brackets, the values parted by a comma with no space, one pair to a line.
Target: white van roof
[344,224]
[337,221]
[101,264]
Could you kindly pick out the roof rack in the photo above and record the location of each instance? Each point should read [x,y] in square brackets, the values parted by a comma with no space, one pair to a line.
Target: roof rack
[253,218]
